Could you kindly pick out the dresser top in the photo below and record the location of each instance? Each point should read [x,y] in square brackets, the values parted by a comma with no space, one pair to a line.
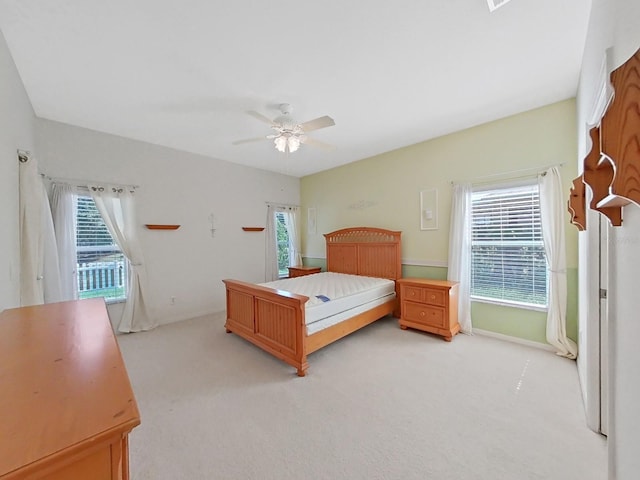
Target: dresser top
[306,268]
[62,380]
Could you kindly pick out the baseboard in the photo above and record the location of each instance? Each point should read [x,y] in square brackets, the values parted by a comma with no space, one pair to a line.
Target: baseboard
[508,338]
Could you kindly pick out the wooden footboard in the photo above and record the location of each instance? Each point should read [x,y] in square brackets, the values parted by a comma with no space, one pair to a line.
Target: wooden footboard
[331,334]
[274,320]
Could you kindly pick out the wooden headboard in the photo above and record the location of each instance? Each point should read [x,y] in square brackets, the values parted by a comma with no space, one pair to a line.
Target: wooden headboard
[372,252]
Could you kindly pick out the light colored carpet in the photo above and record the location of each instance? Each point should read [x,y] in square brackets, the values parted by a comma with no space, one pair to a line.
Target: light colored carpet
[382,403]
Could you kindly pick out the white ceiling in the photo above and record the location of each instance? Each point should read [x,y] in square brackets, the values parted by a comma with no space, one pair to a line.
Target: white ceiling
[391,74]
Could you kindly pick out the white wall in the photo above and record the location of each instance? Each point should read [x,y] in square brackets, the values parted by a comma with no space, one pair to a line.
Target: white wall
[177,188]
[16,132]
[614,24]
[625,327]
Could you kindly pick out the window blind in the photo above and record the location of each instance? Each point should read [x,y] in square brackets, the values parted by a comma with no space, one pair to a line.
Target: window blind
[101,267]
[508,262]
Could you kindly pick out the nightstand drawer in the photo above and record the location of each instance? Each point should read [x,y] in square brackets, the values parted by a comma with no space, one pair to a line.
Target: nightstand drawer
[415,294]
[434,297]
[416,312]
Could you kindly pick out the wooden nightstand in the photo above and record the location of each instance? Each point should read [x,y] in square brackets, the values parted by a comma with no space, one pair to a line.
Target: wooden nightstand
[300,270]
[429,305]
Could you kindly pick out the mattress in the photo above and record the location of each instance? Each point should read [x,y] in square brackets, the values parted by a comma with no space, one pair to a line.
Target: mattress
[331,294]
[340,317]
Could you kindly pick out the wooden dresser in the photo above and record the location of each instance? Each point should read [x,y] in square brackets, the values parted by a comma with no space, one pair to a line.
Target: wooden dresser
[66,403]
[301,270]
[429,305]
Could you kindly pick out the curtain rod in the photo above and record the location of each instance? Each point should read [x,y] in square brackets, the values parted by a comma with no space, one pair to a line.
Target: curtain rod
[511,175]
[278,204]
[84,183]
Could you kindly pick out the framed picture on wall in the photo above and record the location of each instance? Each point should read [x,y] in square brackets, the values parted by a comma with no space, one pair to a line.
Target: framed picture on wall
[429,209]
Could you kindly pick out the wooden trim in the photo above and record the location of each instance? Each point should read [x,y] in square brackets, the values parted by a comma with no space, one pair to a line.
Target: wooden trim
[253,229]
[125,457]
[373,252]
[620,134]
[335,332]
[576,204]
[599,175]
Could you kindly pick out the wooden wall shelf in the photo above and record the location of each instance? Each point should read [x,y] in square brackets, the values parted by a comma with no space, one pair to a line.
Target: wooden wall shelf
[612,167]
[151,226]
[612,201]
[598,174]
[620,131]
[576,204]
[253,229]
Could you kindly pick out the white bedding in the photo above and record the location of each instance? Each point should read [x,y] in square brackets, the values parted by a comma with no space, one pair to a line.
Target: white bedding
[344,292]
[339,317]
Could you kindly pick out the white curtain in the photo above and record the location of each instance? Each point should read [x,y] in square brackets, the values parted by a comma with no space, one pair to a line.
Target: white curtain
[39,275]
[63,207]
[292,215]
[271,246]
[552,216]
[292,223]
[116,206]
[459,264]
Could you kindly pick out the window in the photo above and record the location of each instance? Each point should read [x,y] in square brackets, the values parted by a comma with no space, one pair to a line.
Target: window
[101,266]
[283,244]
[508,262]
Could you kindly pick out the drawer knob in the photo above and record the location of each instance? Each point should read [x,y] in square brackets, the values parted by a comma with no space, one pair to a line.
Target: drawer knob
[433,297]
[422,314]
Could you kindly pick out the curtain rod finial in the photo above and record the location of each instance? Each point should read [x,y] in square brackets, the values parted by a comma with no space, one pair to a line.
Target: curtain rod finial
[23,156]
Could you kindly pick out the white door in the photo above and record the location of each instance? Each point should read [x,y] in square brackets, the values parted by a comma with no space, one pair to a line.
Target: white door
[604,324]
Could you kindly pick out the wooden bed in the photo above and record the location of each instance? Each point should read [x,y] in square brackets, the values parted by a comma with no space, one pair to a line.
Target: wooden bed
[274,320]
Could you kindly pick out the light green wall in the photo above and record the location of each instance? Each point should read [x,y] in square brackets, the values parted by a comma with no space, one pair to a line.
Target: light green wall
[383,191]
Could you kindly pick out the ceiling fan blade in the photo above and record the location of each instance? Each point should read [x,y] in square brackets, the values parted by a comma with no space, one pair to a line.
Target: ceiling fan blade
[249,140]
[259,116]
[316,143]
[317,123]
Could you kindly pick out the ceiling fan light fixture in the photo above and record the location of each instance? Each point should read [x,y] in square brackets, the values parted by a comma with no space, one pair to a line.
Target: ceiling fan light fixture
[287,143]
[281,143]
[293,143]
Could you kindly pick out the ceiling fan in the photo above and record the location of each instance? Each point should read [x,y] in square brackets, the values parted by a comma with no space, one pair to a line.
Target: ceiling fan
[289,134]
